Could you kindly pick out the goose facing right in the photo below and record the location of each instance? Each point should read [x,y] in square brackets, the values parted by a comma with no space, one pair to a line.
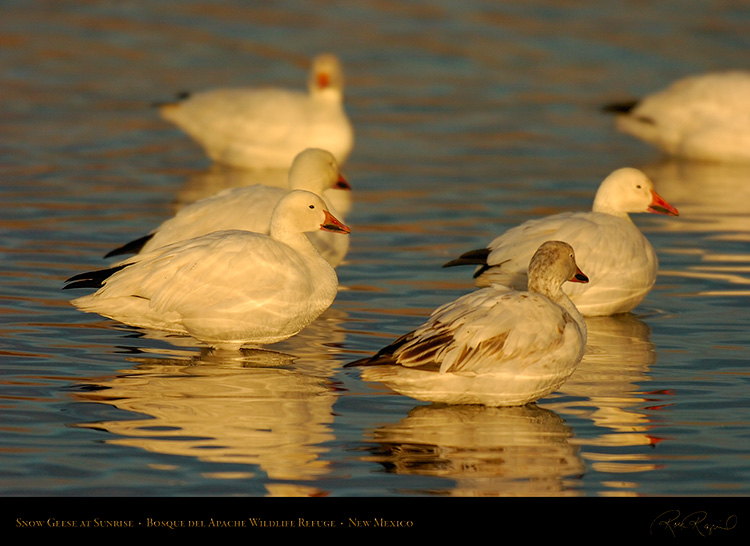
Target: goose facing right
[249,208]
[494,346]
[226,288]
[622,263]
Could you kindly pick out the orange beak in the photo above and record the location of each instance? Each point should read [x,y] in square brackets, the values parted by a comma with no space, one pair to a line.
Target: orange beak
[332,224]
[660,206]
[323,80]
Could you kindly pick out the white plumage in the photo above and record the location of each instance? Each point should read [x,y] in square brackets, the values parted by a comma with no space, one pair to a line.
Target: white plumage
[265,128]
[249,209]
[619,259]
[227,288]
[703,117]
[493,346]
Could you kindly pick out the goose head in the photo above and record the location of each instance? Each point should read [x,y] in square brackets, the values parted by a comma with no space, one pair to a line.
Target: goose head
[316,170]
[630,190]
[326,77]
[301,211]
[552,264]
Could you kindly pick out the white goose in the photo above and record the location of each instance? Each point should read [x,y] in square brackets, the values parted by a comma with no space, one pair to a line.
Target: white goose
[493,346]
[249,209]
[227,288]
[621,262]
[703,117]
[265,128]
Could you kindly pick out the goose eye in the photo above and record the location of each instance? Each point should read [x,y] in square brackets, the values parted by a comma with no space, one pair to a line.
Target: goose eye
[312,206]
[638,186]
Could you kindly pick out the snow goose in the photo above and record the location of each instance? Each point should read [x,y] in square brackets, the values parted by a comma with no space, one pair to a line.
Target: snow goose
[249,209]
[493,346]
[227,288]
[265,128]
[703,117]
[609,247]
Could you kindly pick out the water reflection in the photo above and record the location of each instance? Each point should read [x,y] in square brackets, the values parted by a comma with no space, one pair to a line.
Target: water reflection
[607,390]
[713,197]
[314,346]
[521,451]
[248,409]
[270,407]
[607,386]
[714,201]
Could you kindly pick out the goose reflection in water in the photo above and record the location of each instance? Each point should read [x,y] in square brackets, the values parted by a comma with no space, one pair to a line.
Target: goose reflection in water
[715,200]
[608,386]
[312,348]
[271,407]
[253,409]
[483,451]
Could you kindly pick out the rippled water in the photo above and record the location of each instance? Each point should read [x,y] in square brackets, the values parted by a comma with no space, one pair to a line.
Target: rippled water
[470,117]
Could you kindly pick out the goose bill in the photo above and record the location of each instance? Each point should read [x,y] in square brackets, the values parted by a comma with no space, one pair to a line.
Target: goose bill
[579,276]
[342,183]
[660,206]
[332,224]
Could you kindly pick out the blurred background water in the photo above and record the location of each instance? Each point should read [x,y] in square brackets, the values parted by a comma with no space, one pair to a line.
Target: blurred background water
[470,118]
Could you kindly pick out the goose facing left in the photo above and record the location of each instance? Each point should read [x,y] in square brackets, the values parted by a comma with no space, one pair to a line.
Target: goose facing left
[227,288]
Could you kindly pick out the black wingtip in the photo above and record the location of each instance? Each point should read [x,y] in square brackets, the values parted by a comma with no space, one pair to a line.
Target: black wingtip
[179,97]
[622,107]
[133,247]
[472,257]
[91,279]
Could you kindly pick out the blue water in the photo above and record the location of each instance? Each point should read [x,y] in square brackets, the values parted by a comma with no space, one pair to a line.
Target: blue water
[470,118]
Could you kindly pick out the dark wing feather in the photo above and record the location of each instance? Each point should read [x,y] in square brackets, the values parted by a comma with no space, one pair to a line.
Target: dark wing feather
[91,279]
[179,97]
[133,247]
[472,257]
[623,107]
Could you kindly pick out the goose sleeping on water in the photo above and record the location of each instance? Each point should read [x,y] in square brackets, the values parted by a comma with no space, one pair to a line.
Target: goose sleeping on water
[227,288]
[609,247]
[493,346]
[249,208]
[265,128]
[703,117]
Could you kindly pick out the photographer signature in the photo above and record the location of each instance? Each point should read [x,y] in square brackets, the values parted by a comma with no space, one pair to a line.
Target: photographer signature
[674,522]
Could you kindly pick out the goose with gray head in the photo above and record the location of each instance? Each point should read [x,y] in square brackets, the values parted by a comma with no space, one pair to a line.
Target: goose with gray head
[494,346]
[227,288]
[611,249]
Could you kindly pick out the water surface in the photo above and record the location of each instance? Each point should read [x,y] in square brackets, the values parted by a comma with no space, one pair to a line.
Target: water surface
[470,117]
